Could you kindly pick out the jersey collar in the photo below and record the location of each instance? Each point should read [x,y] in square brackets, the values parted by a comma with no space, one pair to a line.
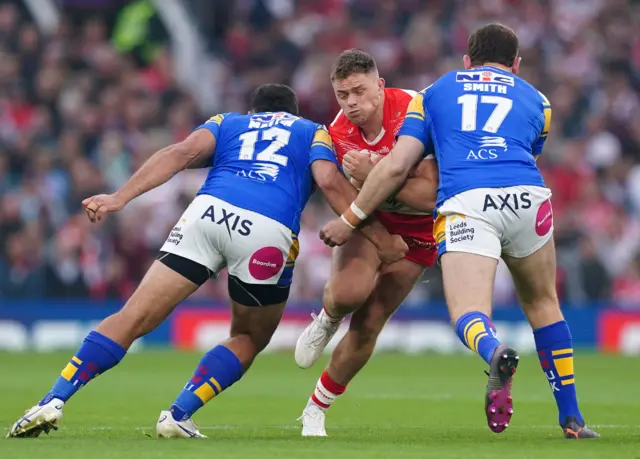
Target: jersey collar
[376,140]
[494,69]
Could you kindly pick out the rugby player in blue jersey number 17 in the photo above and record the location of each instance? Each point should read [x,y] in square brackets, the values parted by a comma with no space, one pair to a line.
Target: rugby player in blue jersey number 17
[486,127]
[246,218]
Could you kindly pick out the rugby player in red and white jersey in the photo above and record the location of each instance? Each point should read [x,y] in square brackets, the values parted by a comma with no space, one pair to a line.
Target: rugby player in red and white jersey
[363,132]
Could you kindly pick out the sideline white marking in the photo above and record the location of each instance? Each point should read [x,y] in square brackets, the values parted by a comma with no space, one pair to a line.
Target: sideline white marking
[337,426]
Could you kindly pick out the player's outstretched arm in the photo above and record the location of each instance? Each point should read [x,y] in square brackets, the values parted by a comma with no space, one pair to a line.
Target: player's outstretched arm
[167,162]
[158,169]
[339,194]
[420,190]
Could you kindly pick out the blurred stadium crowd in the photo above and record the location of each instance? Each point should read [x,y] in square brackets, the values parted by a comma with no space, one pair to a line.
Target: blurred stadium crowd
[79,112]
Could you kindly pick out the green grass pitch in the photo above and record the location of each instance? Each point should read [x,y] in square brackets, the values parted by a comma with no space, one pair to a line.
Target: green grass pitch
[398,407]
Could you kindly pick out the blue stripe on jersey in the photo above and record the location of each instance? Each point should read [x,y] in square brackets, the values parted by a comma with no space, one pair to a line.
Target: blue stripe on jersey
[262,163]
[485,127]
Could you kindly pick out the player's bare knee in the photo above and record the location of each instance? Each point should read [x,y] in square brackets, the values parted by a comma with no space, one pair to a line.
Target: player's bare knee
[344,297]
[252,337]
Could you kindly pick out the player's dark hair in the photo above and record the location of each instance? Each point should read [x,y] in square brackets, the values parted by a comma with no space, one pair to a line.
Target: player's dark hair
[352,61]
[493,43]
[273,97]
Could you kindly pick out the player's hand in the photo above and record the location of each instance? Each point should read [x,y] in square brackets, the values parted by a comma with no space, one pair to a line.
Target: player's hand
[357,184]
[394,250]
[358,164]
[97,207]
[336,232]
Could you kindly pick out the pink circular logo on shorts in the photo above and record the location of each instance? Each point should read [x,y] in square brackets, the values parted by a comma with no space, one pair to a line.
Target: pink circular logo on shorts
[266,263]
[544,218]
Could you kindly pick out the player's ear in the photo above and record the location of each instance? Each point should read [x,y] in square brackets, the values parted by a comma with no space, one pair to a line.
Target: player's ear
[381,83]
[515,68]
[467,62]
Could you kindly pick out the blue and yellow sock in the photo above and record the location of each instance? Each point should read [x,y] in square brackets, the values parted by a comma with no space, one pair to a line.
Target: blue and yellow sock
[96,355]
[218,369]
[555,351]
[477,332]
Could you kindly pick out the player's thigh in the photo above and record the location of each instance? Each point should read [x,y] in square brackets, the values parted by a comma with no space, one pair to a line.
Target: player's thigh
[159,292]
[529,251]
[393,285]
[534,277]
[353,272]
[186,260]
[469,246]
[196,237]
[528,224]
[260,262]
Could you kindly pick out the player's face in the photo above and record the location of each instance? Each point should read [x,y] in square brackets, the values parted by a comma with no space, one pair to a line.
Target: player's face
[360,95]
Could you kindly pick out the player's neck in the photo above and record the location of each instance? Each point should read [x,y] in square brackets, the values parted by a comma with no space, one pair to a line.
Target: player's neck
[372,129]
[494,64]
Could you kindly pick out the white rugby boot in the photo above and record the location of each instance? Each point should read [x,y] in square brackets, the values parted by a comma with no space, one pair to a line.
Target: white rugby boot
[314,339]
[38,419]
[313,422]
[167,427]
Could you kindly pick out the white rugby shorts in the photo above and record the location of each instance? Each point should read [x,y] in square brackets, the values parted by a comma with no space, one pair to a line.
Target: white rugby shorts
[253,248]
[514,221]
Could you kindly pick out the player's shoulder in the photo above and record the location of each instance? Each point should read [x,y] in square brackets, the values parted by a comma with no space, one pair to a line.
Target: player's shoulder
[306,127]
[308,124]
[220,117]
[400,94]
[531,92]
[543,99]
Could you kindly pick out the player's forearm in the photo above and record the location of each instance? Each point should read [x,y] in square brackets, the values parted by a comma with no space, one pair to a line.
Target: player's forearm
[385,178]
[418,193]
[339,196]
[158,169]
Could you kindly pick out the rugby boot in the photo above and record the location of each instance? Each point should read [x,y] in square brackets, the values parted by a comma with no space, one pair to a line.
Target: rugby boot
[167,427]
[498,401]
[40,418]
[573,430]
[314,339]
[313,422]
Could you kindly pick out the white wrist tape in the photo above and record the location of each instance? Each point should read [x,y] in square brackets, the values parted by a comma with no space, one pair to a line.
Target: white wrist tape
[358,212]
[343,218]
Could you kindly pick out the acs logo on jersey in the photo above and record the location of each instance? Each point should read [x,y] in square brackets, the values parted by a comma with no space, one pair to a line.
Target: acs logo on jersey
[488,149]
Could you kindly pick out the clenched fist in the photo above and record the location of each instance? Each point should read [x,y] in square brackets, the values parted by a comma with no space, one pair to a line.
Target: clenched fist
[336,232]
[97,207]
[358,164]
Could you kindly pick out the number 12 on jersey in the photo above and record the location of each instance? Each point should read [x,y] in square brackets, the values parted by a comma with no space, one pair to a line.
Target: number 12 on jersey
[469,104]
[279,139]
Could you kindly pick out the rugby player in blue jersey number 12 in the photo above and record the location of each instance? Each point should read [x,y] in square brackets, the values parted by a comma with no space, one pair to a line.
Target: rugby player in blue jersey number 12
[486,127]
[246,217]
